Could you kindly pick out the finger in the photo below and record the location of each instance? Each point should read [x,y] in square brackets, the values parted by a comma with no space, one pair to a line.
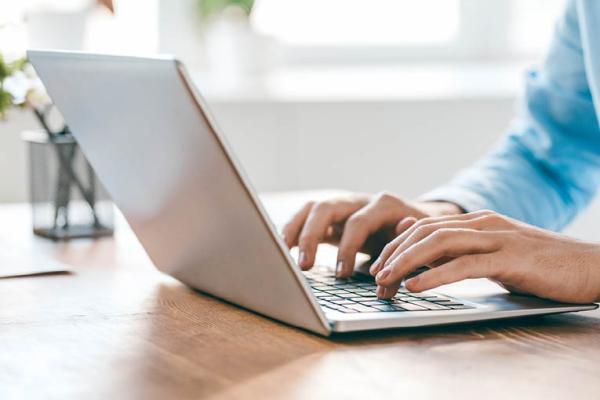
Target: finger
[357,229]
[291,230]
[391,247]
[384,292]
[445,218]
[322,222]
[442,243]
[465,267]
[404,224]
[426,230]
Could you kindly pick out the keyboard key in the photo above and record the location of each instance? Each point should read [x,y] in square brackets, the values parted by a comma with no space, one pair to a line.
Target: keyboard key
[361,308]
[341,284]
[386,307]
[363,298]
[412,307]
[336,291]
[346,295]
[342,301]
[429,305]
[357,295]
[362,292]
[347,310]
[374,302]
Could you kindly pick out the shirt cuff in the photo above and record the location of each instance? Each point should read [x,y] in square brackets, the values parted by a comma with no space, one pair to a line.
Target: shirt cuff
[468,200]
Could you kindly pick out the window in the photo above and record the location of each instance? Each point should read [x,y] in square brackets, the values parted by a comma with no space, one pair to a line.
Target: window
[407,30]
[358,22]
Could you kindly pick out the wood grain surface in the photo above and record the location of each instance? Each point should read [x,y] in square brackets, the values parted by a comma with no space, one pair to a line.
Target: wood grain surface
[115,328]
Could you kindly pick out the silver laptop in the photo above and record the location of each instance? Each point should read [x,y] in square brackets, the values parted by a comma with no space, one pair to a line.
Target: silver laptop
[148,133]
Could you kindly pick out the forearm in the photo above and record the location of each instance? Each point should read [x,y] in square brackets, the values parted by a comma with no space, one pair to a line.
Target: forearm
[548,166]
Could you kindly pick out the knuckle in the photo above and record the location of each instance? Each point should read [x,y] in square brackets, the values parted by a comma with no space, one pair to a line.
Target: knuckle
[483,212]
[355,220]
[442,234]
[496,218]
[424,221]
[403,258]
[322,207]
[385,197]
[422,231]
[388,249]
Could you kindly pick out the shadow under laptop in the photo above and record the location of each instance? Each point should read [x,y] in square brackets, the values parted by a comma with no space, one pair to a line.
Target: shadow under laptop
[202,345]
[562,326]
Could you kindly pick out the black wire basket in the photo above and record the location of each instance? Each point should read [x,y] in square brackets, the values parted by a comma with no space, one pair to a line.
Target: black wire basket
[66,197]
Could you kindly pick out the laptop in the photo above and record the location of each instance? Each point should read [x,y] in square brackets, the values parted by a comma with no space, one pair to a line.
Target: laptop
[149,135]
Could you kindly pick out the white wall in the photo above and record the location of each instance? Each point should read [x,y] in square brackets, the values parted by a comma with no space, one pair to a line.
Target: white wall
[402,146]
[13,157]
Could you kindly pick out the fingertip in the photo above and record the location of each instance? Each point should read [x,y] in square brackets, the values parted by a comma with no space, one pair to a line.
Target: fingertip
[414,284]
[344,268]
[339,266]
[345,264]
[303,260]
[374,269]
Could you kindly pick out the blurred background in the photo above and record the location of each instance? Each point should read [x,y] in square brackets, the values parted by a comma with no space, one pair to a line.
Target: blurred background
[353,94]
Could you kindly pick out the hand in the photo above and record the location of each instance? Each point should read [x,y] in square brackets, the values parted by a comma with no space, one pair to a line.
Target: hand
[484,244]
[356,222]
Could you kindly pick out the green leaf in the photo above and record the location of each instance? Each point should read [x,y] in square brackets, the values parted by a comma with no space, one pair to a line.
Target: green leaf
[5,101]
[4,69]
[209,8]
[18,65]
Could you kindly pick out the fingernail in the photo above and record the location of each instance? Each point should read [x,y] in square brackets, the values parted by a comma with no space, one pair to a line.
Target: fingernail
[383,274]
[302,258]
[339,267]
[380,291]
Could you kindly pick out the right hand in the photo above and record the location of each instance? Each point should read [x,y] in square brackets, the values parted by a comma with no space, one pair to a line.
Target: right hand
[355,222]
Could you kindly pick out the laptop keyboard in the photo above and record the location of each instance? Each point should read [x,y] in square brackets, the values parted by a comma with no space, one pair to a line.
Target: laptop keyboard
[357,294]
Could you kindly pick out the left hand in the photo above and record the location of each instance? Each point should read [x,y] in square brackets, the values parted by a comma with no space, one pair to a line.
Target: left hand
[484,244]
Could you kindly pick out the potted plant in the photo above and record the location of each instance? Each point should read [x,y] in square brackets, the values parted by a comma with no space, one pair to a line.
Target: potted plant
[66,198]
[9,82]
[237,55]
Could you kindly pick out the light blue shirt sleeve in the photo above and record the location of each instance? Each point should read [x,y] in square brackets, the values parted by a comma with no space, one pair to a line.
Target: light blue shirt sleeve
[547,168]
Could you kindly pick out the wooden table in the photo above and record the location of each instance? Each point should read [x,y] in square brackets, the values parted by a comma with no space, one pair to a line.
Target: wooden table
[118,329]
